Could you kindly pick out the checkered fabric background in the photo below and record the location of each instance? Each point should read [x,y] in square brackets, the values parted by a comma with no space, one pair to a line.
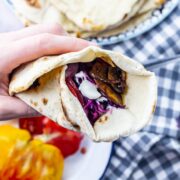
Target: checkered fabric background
[154,152]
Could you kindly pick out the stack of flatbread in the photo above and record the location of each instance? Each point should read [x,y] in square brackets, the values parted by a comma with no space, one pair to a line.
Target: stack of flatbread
[87,18]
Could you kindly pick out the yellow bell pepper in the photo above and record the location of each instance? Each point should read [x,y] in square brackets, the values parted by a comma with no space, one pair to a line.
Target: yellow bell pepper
[22,158]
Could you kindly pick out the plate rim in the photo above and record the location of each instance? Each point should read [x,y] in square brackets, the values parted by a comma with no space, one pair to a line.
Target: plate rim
[109,160]
[95,171]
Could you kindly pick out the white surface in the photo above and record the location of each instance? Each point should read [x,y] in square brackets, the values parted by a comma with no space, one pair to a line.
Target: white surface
[89,166]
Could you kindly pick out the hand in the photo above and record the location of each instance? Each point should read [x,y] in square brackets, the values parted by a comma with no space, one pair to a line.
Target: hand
[26,45]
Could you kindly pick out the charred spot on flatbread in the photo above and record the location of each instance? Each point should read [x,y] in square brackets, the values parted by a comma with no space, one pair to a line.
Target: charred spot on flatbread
[103,119]
[44,101]
[45,58]
[77,127]
[34,3]
[33,103]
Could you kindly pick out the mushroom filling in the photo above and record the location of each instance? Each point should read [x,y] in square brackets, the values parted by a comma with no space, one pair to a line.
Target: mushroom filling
[97,85]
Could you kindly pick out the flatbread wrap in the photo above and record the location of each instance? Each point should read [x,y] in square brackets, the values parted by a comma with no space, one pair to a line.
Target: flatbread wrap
[101,93]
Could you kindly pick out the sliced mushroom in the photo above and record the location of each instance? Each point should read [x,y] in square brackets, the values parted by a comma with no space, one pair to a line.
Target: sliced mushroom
[109,92]
[114,74]
[119,88]
[99,71]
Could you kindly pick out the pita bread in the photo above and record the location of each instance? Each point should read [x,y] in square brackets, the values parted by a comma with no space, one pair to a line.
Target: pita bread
[44,12]
[144,13]
[34,13]
[91,15]
[52,97]
[133,22]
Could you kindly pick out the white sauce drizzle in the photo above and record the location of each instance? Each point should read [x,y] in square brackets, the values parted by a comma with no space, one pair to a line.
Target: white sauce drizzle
[89,90]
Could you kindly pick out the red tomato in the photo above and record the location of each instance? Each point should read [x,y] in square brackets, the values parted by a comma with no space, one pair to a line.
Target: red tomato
[67,141]
[74,90]
[33,125]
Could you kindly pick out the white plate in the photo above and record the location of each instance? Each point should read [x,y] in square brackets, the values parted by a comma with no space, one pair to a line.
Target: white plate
[88,166]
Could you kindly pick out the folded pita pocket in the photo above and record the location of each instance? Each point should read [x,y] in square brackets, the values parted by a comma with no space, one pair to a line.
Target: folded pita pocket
[98,92]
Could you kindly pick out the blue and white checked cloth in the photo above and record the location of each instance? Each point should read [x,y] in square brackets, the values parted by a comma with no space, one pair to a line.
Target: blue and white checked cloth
[154,152]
